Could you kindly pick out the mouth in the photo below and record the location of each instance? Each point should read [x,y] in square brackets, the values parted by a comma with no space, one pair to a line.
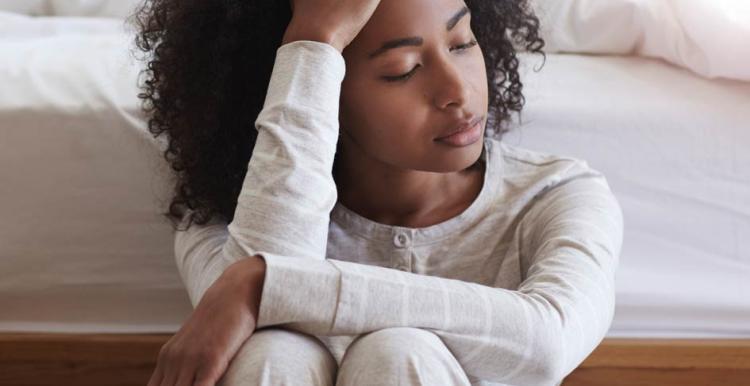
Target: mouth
[465,126]
[465,136]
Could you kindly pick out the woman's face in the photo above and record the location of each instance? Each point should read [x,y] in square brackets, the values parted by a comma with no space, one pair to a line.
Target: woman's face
[397,122]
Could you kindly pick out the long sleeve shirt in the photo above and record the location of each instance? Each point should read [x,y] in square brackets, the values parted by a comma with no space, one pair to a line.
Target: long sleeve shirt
[519,286]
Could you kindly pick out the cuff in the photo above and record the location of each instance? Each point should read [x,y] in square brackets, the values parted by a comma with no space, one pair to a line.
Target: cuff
[299,290]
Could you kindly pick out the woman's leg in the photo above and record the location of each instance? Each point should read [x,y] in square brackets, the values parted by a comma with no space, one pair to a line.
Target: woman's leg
[400,356]
[276,356]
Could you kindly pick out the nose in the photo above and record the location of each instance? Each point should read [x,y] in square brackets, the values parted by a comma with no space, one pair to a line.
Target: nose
[450,88]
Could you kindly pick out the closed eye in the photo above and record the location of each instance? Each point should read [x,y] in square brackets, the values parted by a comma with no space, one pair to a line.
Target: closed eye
[467,45]
[401,77]
[408,75]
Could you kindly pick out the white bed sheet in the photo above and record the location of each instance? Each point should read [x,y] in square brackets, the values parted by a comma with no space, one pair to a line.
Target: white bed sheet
[82,248]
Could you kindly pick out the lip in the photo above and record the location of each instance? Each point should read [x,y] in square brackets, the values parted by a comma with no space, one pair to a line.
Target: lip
[463,127]
[466,136]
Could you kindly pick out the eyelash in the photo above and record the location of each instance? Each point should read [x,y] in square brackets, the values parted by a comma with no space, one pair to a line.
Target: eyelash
[410,73]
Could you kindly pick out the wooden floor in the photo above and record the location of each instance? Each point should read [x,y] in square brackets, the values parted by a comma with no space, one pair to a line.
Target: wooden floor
[126,359]
[642,362]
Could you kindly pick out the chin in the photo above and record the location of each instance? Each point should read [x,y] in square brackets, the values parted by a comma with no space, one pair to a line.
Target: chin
[456,159]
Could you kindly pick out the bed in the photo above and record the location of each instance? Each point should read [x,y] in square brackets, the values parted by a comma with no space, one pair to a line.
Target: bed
[89,287]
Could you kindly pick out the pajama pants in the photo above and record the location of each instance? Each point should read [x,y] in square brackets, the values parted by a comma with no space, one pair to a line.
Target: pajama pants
[393,356]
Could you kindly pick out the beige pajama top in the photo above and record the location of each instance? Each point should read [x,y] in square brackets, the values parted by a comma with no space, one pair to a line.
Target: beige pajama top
[520,286]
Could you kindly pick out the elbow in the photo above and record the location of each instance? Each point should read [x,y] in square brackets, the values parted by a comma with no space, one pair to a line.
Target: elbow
[545,369]
[551,360]
[552,367]
[558,359]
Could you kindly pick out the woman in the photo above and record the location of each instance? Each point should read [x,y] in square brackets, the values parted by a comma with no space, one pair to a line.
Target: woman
[376,146]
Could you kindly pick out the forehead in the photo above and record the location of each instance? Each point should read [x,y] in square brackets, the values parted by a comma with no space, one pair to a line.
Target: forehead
[395,19]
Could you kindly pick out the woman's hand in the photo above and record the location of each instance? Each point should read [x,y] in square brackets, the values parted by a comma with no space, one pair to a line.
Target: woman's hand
[200,352]
[335,22]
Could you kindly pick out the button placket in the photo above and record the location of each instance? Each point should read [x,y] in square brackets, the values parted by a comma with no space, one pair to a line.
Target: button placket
[402,240]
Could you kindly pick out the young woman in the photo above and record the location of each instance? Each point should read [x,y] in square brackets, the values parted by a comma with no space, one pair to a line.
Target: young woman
[347,211]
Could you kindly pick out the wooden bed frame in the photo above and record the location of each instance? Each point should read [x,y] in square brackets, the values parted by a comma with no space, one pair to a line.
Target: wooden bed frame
[128,359]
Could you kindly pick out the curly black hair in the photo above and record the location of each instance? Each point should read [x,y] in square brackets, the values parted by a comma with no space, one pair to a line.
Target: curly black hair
[208,66]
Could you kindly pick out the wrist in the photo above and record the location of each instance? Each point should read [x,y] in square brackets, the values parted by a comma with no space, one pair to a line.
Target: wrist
[248,275]
[294,34]
[247,268]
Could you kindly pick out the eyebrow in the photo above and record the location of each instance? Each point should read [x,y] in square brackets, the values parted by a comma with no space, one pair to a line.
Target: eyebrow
[416,40]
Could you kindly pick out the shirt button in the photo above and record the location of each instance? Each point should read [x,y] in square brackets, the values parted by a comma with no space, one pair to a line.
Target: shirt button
[401,240]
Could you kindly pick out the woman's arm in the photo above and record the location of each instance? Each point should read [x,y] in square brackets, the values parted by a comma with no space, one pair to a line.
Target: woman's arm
[284,203]
[288,192]
[535,335]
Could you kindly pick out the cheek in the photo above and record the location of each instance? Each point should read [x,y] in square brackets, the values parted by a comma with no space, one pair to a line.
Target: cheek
[381,115]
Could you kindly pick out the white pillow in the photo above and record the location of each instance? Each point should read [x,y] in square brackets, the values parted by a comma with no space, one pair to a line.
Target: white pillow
[92,8]
[16,26]
[26,7]
[709,37]
[96,8]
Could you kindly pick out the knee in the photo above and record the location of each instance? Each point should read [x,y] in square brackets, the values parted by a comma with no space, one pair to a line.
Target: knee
[400,355]
[273,356]
[395,344]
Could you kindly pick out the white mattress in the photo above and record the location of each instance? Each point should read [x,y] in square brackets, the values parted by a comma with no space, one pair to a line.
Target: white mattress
[674,148]
[83,248]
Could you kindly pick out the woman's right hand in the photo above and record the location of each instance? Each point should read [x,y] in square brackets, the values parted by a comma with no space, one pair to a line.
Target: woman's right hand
[200,352]
[336,22]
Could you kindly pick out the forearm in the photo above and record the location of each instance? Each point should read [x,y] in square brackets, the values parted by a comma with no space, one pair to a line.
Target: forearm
[492,332]
[296,32]
[288,192]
